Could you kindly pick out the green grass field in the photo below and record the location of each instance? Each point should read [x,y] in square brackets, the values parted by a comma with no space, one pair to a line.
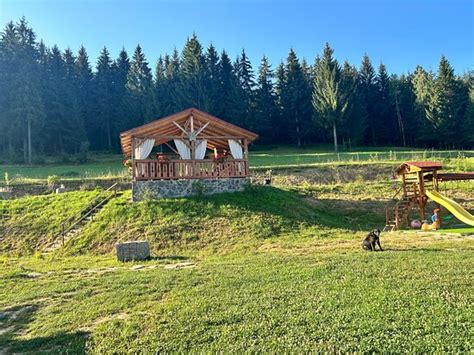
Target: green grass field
[271,269]
[110,166]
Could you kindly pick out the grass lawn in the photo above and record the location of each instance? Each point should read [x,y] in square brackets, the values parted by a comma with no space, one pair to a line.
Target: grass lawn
[325,295]
[271,269]
[109,166]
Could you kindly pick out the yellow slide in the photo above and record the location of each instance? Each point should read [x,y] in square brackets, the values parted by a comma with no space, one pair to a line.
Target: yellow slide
[452,206]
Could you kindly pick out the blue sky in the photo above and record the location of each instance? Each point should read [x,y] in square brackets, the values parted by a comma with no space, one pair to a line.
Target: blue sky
[401,33]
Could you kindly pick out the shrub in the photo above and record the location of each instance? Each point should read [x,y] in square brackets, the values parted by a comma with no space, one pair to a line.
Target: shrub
[52,181]
[83,156]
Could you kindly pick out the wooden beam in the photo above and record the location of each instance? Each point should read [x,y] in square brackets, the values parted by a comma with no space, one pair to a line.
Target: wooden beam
[181,128]
[202,128]
[171,147]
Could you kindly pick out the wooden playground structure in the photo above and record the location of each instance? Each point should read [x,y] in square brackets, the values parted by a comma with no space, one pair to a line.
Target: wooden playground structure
[419,183]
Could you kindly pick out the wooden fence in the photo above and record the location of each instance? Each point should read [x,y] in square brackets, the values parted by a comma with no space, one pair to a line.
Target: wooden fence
[150,169]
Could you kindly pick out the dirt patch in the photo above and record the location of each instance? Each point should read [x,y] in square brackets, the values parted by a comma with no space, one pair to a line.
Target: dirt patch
[329,174]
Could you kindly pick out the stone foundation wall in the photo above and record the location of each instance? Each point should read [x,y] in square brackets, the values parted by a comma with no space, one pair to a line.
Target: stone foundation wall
[186,187]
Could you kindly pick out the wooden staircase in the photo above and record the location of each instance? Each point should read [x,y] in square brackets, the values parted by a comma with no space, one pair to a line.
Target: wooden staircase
[72,226]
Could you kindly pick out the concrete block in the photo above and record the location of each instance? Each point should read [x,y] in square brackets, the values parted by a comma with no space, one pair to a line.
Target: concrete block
[133,250]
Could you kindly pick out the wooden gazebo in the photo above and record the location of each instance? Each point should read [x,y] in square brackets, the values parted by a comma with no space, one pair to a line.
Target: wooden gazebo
[198,146]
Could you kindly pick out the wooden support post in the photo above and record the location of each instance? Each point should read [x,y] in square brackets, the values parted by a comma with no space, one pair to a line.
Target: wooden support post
[133,158]
[404,186]
[193,154]
[422,195]
[246,157]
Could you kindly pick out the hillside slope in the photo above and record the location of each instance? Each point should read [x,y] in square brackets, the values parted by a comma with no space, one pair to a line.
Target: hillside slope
[218,223]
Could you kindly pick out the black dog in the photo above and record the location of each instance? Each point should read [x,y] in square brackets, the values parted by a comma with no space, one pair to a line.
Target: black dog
[371,240]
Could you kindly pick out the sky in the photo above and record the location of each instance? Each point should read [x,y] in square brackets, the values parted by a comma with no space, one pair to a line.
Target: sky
[399,33]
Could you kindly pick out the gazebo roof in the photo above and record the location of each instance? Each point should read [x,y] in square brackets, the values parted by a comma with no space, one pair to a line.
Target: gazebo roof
[215,130]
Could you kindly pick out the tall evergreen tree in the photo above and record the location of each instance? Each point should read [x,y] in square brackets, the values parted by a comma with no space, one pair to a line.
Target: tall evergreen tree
[354,124]
[120,100]
[140,87]
[245,90]
[282,127]
[329,99]
[296,99]
[384,120]
[211,79]
[22,109]
[266,109]
[228,108]
[84,90]
[193,74]
[104,92]
[368,91]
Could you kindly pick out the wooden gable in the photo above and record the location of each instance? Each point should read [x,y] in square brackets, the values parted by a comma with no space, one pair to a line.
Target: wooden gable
[215,130]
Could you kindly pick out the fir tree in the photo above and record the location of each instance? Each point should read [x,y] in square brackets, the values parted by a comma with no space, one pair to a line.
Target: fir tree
[140,87]
[104,91]
[329,99]
[245,89]
[227,87]
[120,97]
[296,99]
[266,110]
[212,79]
[192,74]
[354,126]
[384,121]
[368,91]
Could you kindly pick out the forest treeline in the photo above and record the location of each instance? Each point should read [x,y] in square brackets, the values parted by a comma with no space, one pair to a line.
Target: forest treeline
[54,102]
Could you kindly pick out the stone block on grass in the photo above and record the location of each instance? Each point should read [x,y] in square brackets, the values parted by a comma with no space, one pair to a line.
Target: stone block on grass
[133,250]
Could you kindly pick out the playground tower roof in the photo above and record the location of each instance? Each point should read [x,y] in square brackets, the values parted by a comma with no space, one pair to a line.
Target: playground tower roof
[414,166]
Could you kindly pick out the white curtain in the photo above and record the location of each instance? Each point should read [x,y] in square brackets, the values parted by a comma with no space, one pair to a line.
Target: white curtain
[236,149]
[201,147]
[143,150]
[183,149]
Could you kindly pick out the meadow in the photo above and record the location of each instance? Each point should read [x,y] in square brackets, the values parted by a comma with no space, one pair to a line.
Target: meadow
[261,159]
[272,269]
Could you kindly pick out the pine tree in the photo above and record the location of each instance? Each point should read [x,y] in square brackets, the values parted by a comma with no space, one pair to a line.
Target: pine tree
[282,124]
[104,91]
[212,79]
[245,89]
[23,110]
[468,125]
[140,87]
[451,100]
[266,110]
[296,99]
[368,91]
[354,124]
[193,73]
[228,108]
[120,70]
[329,100]
[85,97]
[384,121]
[160,86]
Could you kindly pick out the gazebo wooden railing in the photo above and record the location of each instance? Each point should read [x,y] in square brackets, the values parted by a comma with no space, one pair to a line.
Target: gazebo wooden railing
[150,169]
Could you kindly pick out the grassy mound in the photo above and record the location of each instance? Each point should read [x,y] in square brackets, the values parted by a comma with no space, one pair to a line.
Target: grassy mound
[29,222]
[218,223]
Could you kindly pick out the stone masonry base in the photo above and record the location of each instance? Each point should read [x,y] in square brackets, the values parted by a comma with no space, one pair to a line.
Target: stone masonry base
[186,187]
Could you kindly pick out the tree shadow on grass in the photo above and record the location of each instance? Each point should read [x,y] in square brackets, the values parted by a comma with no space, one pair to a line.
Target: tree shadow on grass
[333,213]
[14,321]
